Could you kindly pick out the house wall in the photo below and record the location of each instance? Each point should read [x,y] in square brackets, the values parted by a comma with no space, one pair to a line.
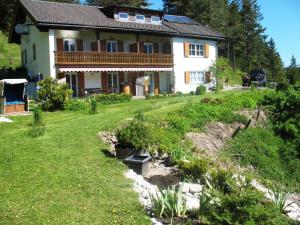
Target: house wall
[183,64]
[41,40]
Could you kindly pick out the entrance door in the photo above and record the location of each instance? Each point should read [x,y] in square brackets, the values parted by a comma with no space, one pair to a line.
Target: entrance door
[113,82]
[72,82]
[139,86]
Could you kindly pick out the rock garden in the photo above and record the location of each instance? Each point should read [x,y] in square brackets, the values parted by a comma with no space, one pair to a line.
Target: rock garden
[185,171]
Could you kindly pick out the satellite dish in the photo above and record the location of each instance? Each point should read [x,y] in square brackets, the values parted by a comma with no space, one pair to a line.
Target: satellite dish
[21,29]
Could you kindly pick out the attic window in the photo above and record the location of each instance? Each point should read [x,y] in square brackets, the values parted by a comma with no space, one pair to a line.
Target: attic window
[155,19]
[140,18]
[123,16]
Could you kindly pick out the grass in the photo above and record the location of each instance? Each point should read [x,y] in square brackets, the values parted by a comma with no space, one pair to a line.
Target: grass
[63,177]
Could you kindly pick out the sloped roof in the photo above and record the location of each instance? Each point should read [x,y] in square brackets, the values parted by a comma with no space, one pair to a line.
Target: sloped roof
[82,16]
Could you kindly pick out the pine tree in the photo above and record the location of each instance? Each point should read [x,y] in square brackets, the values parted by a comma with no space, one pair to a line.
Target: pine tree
[274,64]
[253,35]
[293,71]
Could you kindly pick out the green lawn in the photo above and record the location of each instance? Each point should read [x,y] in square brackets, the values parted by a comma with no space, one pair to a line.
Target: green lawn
[64,177]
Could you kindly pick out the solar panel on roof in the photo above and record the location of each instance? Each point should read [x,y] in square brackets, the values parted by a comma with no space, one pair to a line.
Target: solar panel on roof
[179,19]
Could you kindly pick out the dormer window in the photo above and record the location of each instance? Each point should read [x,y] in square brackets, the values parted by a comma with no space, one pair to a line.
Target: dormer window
[155,19]
[140,18]
[123,16]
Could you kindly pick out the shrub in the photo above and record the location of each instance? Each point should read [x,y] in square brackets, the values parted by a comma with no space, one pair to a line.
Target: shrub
[93,105]
[192,93]
[200,90]
[107,99]
[169,203]
[38,126]
[194,170]
[178,123]
[136,134]
[75,105]
[51,95]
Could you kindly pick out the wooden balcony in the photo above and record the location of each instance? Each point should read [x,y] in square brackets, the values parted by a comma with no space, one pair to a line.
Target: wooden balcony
[116,59]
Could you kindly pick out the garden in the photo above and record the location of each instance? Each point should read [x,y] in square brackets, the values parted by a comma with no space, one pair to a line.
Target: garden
[69,176]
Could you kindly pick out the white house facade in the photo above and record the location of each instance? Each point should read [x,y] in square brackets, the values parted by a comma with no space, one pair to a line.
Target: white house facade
[114,49]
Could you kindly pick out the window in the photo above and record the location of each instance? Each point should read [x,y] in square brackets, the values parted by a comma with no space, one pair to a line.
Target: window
[197,77]
[113,82]
[69,45]
[155,19]
[140,18]
[148,48]
[111,46]
[123,16]
[196,50]
[33,52]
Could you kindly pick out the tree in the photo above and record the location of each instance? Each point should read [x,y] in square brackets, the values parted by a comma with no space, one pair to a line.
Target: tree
[253,37]
[293,71]
[274,64]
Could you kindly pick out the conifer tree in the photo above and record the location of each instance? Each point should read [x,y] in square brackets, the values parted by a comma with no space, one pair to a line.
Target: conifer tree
[293,71]
[274,64]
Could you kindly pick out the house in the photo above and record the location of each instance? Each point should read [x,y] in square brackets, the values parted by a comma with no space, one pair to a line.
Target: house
[114,49]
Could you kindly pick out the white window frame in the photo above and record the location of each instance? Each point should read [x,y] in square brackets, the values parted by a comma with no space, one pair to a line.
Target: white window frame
[157,22]
[114,75]
[71,40]
[111,43]
[194,79]
[138,20]
[147,45]
[124,13]
[71,83]
[198,52]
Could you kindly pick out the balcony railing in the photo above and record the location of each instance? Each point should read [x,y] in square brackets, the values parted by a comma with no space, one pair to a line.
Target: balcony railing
[112,59]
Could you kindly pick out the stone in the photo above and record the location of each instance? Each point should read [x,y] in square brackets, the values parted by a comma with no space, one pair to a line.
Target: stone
[153,220]
[184,187]
[192,203]
[195,188]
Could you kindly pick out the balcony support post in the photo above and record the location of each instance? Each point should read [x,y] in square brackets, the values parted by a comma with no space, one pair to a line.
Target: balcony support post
[98,40]
[138,42]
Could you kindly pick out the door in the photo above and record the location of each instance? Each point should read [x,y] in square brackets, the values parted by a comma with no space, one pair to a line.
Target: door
[72,81]
[113,82]
[69,45]
[139,86]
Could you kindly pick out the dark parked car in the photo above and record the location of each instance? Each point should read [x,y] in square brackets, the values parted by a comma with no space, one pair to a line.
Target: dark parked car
[256,76]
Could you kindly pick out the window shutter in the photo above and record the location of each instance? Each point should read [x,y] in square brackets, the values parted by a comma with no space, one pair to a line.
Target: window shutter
[207,77]
[206,50]
[94,46]
[141,43]
[187,77]
[103,45]
[155,48]
[186,49]
[104,82]
[120,46]
[79,44]
[59,45]
[133,47]
[156,83]
[81,84]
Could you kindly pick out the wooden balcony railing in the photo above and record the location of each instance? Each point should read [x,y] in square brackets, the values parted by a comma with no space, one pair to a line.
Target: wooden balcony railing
[112,59]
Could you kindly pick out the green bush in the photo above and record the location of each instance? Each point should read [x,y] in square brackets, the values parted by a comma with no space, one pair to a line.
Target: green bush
[75,105]
[38,126]
[51,95]
[178,123]
[245,206]
[93,105]
[194,170]
[107,99]
[136,134]
[200,90]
